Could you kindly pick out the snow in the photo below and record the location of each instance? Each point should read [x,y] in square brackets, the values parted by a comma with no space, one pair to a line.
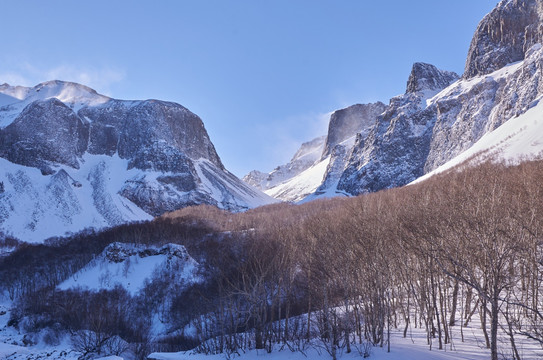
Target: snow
[227,189]
[7,99]
[66,92]
[103,274]
[413,347]
[307,155]
[15,98]
[517,139]
[303,184]
[310,151]
[464,86]
[35,207]
[33,213]
[133,271]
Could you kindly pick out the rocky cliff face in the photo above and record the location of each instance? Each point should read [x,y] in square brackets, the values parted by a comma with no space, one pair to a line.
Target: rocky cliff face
[504,36]
[103,161]
[346,123]
[45,132]
[153,134]
[440,115]
[425,78]
[471,108]
[396,148]
[345,127]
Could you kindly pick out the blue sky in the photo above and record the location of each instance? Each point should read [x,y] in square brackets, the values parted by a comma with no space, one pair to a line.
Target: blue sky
[262,75]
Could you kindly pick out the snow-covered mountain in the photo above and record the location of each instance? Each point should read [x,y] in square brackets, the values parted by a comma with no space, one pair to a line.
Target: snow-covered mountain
[72,158]
[502,80]
[317,165]
[309,153]
[441,115]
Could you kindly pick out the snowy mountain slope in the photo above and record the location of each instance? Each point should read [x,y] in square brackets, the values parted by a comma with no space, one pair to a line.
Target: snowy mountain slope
[34,207]
[396,148]
[72,158]
[307,155]
[132,266]
[302,185]
[72,94]
[518,139]
[315,169]
[440,116]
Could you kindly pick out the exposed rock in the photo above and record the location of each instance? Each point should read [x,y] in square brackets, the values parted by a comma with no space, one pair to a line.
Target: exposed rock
[309,153]
[164,194]
[152,134]
[256,179]
[346,123]
[426,77]
[469,109]
[395,151]
[103,140]
[504,36]
[317,165]
[119,252]
[45,132]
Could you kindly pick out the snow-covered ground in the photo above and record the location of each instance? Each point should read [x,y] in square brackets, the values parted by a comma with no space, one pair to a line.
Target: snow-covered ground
[12,342]
[413,347]
[34,207]
[131,266]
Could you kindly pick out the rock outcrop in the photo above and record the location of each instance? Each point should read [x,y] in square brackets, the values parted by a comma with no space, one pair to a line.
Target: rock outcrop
[316,167]
[346,123]
[504,36]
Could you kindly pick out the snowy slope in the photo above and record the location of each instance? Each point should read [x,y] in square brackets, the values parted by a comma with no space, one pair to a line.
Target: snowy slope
[34,207]
[307,155]
[315,169]
[300,186]
[131,266]
[15,98]
[413,347]
[518,139]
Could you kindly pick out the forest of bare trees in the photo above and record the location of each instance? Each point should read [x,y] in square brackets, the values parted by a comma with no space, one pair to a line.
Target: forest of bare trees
[339,273]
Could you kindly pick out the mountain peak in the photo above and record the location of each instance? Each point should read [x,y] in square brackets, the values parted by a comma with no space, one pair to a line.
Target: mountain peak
[65,91]
[428,77]
[504,35]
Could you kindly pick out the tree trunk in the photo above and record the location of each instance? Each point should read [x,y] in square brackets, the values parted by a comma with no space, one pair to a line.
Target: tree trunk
[494,327]
[452,320]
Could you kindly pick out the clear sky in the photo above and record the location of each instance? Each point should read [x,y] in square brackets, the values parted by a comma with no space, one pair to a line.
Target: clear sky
[261,74]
